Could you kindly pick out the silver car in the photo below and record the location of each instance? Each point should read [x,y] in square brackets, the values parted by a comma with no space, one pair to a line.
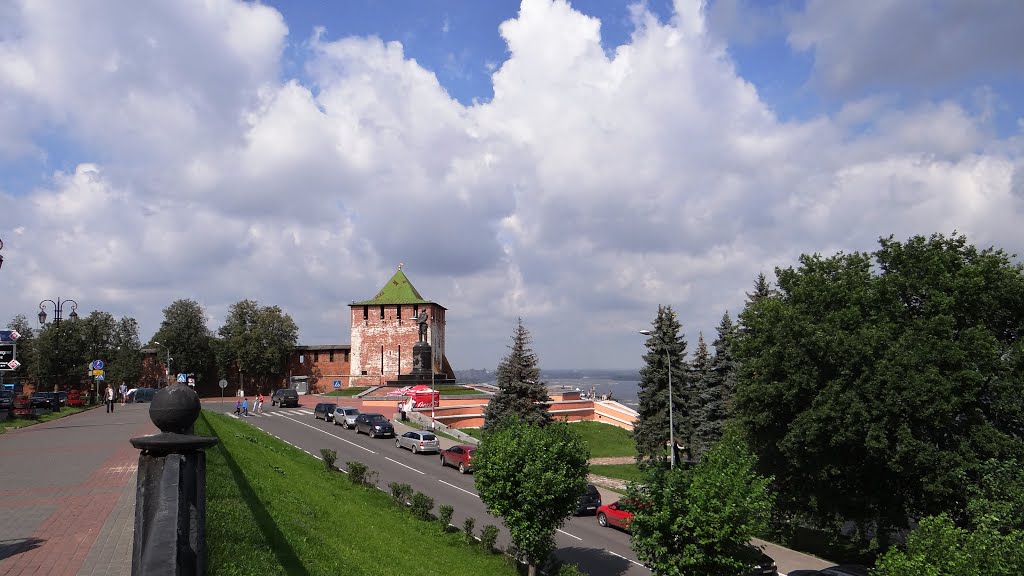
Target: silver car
[419,442]
[346,416]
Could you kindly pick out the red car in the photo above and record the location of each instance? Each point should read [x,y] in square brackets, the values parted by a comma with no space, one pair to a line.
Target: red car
[459,456]
[614,514]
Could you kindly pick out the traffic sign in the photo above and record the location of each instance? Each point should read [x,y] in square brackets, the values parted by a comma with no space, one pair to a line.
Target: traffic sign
[7,353]
[191,381]
[337,384]
[13,364]
[101,377]
[182,378]
[9,335]
[223,383]
[96,365]
[97,372]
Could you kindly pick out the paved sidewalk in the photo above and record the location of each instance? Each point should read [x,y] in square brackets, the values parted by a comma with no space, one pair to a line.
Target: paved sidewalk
[67,494]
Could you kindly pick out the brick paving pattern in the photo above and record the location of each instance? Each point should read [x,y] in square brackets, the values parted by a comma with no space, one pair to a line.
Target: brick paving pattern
[67,494]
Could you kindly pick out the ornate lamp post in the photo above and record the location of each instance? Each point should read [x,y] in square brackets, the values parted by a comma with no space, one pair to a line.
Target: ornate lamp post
[58,311]
[168,368]
[671,427]
[1,255]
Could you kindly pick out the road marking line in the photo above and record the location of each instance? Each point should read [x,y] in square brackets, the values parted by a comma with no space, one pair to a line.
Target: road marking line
[457,488]
[578,538]
[634,561]
[409,467]
[333,436]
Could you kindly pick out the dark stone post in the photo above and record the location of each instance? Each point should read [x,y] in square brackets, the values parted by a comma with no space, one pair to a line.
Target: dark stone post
[170,501]
[421,361]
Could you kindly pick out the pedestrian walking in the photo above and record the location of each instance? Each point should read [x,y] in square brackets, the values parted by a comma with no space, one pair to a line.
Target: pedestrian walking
[245,407]
[124,393]
[259,403]
[110,399]
[238,406]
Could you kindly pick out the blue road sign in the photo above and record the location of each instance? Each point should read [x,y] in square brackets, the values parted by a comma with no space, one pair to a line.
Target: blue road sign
[337,384]
[9,335]
[100,377]
[99,364]
[183,378]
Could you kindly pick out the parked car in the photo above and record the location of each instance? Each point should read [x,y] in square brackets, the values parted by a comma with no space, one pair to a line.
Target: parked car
[42,400]
[845,570]
[76,398]
[346,416]
[615,515]
[285,396]
[460,456]
[63,397]
[419,441]
[141,395]
[590,501]
[763,565]
[374,425]
[6,399]
[324,410]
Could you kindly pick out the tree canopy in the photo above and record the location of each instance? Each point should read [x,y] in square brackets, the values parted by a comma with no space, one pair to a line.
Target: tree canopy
[184,332]
[532,477]
[874,386]
[699,521]
[521,394]
[256,339]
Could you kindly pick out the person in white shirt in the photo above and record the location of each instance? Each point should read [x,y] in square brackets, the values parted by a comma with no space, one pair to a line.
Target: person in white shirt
[110,399]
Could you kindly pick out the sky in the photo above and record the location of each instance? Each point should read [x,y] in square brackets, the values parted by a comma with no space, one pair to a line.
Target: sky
[573,164]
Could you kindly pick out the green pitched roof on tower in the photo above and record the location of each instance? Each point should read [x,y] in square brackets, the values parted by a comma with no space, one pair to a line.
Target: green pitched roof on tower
[398,290]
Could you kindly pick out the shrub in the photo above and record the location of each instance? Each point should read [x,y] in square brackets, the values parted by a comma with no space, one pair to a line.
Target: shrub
[401,493]
[467,530]
[488,537]
[356,472]
[422,505]
[444,515]
[329,457]
[558,568]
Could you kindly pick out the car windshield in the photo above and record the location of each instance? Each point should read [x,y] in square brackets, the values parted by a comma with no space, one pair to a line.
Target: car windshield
[329,407]
[377,418]
[352,412]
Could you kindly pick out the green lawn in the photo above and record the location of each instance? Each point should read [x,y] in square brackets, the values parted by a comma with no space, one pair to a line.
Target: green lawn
[477,433]
[458,391]
[348,391]
[23,422]
[273,509]
[628,472]
[606,440]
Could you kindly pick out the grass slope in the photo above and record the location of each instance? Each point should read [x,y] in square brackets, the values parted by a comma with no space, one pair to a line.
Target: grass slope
[23,422]
[628,472]
[606,440]
[347,391]
[273,509]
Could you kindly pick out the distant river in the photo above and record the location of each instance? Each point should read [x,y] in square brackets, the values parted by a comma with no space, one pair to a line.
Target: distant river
[624,391]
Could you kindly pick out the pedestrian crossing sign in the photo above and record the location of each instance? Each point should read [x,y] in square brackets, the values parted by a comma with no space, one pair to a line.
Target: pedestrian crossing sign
[182,378]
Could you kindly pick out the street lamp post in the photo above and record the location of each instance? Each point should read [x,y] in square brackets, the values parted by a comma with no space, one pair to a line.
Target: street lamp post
[167,371]
[58,312]
[671,426]
[1,255]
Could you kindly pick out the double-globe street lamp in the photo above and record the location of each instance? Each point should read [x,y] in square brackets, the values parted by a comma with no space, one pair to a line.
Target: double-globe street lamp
[58,312]
[167,373]
[671,427]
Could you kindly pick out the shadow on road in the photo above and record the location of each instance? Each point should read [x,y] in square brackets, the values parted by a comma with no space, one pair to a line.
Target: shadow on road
[16,546]
[278,543]
[593,560]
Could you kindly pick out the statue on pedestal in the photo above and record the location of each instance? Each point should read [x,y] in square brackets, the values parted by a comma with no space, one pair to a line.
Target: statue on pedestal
[422,320]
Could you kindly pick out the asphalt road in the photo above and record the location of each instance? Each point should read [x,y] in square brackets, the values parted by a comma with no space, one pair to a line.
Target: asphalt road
[581,541]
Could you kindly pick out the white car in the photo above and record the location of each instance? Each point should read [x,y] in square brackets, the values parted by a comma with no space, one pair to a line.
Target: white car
[346,416]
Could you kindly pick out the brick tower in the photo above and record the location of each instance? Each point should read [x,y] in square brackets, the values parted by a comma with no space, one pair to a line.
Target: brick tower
[385,331]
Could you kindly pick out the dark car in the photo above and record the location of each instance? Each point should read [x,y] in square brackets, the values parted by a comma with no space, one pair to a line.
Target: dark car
[763,564]
[6,399]
[141,395]
[42,400]
[460,456]
[63,397]
[846,570]
[285,397]
[374,425]
[324,410]
[590,501]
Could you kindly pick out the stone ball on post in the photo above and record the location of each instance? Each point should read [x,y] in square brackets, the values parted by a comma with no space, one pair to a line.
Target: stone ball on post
[175,408]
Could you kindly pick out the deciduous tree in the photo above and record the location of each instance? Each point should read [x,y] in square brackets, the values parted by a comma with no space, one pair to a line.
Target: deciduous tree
[184,332]
[258,339]
[699,521]
[532,477]
[521,394]
[875,385]
[666,349]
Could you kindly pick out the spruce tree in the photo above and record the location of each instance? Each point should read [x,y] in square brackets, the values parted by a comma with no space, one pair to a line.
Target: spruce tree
[699,398]
[714,388]
[521,394]
[651,431]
